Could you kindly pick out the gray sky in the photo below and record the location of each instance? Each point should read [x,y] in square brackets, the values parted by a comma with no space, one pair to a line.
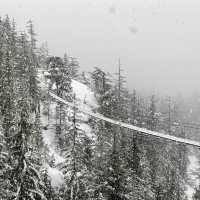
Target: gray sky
[158,41]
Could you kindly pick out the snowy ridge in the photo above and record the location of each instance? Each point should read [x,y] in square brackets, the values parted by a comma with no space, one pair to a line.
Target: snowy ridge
[129,126]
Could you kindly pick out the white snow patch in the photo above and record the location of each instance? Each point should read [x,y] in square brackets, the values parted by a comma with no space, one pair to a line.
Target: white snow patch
[88,131]
[49,139]
[49,134]
[84,94]
[85,99]
[56,176]
[42,81]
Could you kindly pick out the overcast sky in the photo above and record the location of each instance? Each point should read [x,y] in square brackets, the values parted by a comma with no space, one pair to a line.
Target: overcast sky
[158,41]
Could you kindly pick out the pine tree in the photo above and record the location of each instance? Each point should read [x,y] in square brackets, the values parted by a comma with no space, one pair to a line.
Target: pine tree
[74,66]
[33,66]
[24,175]
[8,96]
[151,144]
[60,82]
[76,169]
[104,93]
[7,82]
[133,108]
[66,80]
[133,153]
[55,68]
[26,179]
[5,189]
[114,183]
[121,108]
[43,54]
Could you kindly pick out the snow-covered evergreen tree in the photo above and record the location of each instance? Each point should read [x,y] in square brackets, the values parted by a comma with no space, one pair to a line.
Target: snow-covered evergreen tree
[33,66]
[5,167]
[77,168]
[26,162]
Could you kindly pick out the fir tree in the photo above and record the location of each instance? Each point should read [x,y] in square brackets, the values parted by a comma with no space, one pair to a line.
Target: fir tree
[74,66]
[5,167]
[76,168]
[26,179]
[33,65]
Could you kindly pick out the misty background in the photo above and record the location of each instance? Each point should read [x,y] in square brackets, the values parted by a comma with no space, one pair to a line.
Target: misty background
[157,40]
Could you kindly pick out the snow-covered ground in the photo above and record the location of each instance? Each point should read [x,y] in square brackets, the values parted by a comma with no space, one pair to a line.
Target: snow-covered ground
[84,95]
[192,171]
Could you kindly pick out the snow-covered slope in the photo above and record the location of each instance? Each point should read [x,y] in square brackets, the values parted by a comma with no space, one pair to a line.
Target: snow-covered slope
[84,96]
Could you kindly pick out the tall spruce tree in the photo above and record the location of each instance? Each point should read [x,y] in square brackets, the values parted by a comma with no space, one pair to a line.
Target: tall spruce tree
[26,164]
[76,168]
[5,167]
[33,66]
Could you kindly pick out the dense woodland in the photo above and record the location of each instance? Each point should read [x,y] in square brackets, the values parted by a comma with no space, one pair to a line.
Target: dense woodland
[117,164]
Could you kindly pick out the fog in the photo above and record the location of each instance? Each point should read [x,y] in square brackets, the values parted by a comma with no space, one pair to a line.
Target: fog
[157,40]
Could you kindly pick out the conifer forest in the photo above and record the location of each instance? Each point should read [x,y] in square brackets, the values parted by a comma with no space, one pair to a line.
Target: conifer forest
[50,150]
